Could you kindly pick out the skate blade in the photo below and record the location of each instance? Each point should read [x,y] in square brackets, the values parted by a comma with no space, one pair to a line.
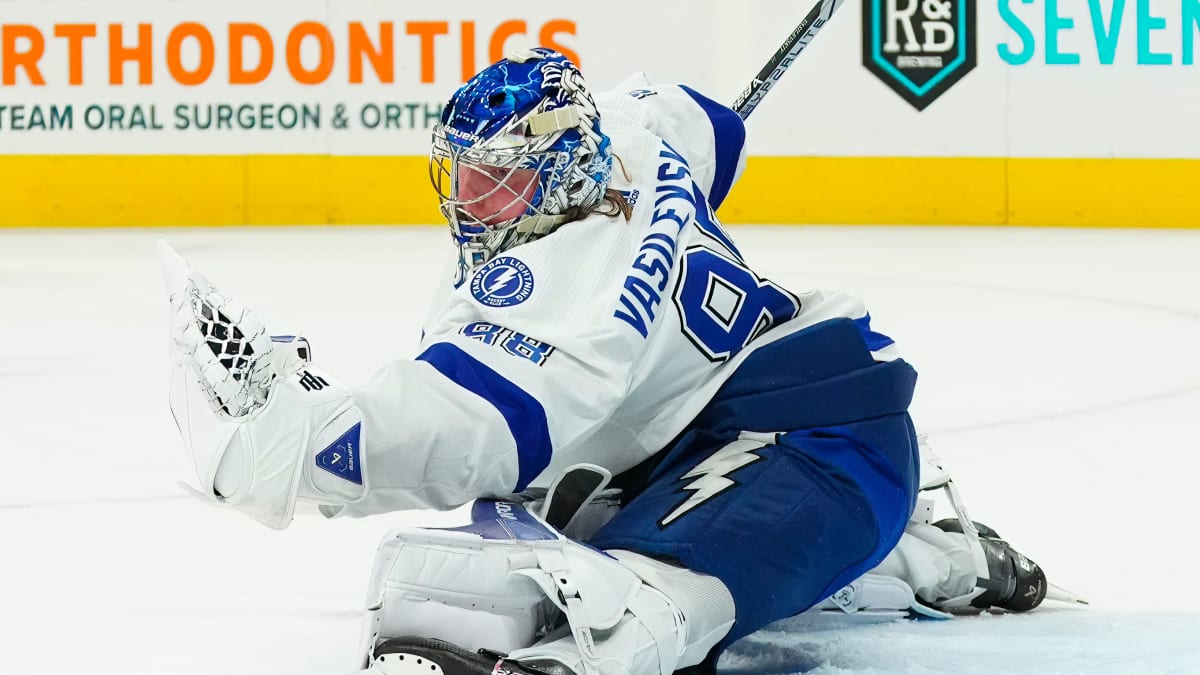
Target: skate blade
[1061,594]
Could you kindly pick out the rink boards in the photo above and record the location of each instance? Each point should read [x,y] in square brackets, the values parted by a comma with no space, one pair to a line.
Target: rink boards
[135,190]
[1021,112]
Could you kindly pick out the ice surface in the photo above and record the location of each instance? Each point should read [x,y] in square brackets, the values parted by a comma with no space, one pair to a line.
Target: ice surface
[1058,381]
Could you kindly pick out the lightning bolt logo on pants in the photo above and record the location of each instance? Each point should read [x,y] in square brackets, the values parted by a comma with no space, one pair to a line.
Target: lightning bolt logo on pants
[710,477]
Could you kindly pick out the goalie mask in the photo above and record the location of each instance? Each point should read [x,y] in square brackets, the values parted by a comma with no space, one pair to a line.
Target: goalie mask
[517,153]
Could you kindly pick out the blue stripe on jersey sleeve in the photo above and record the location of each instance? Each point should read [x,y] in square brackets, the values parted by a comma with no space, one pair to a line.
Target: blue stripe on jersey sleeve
[875,341]
[730,133]
[525,416]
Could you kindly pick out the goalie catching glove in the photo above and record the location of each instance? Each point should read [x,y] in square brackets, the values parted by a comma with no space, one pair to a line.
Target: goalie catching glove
[285,430]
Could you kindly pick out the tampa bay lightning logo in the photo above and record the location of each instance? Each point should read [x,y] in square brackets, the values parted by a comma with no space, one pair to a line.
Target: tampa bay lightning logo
[503,282]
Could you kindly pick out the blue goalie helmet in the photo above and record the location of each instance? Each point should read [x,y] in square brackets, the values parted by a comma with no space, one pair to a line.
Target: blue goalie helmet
[517,153]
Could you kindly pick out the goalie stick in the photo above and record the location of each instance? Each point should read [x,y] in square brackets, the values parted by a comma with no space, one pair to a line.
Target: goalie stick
[795,43]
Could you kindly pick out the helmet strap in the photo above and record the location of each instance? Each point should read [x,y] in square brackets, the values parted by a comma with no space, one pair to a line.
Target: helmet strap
[539,224]
[553,121]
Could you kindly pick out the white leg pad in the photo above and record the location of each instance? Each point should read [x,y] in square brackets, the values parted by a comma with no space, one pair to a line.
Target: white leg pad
[937,565]
[876,595]
[493,584]
[452,586]
[676,617]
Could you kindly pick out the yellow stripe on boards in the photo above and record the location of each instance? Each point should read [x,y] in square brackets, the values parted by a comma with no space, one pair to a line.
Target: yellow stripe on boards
[864,190]
[124,190]
[1105,192]
[168,190]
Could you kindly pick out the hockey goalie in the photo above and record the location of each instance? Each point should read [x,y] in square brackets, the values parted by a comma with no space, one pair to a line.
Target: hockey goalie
[665,451]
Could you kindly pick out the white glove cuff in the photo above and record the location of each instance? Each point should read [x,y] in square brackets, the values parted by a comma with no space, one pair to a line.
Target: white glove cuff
[307,442]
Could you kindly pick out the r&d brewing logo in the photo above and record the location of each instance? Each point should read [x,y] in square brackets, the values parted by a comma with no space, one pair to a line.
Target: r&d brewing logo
[920,48]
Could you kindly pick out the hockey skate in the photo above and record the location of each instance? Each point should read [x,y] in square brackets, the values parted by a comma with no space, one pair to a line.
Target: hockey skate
[1006,579]
[1014,582]
[940,569]
[424,656]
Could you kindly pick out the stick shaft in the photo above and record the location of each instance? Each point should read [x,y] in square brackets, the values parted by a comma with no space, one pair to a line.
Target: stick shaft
[783,58]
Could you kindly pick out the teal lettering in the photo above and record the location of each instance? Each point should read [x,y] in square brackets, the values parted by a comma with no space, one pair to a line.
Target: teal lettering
[137,118]
[116,117]
[288,117]
[1191,23]
[245,116]
[93,117]
[208,116]
[369,116]
[61,119]
[310,116]
[1028,44]
[1054,24]
[1106,38]
[1147,23]
[433,115]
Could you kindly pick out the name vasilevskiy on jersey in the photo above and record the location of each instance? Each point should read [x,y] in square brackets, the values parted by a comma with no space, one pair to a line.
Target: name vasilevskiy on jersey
[674,208]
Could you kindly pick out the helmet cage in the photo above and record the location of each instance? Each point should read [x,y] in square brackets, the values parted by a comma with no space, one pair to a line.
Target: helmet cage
[528,131]
[518,177]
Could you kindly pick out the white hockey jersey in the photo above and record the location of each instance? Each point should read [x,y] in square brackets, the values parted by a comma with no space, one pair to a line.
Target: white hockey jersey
[598,343]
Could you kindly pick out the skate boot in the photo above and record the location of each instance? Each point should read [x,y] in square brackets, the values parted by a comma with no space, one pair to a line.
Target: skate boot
[1014,582]
[423,656]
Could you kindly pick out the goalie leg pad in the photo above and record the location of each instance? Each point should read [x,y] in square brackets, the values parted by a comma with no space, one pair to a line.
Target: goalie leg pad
[452,586]
[493,584]
[937,565]
[508,579]
[876,595]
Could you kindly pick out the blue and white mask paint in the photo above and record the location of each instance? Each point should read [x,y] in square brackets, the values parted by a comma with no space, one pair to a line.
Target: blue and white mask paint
[517,153]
